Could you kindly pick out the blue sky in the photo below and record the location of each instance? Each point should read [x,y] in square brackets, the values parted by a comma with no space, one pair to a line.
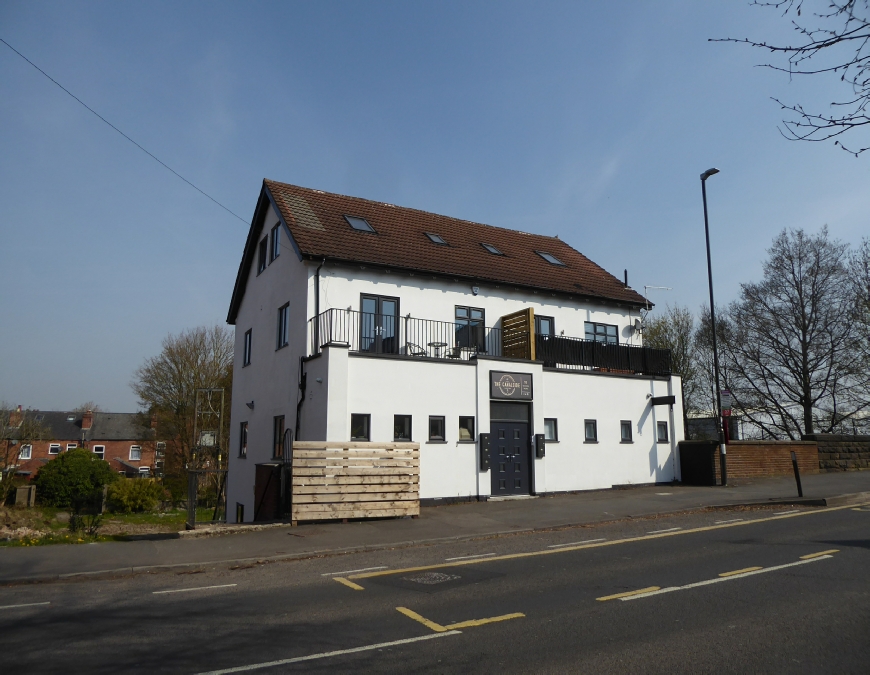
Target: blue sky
[588,120]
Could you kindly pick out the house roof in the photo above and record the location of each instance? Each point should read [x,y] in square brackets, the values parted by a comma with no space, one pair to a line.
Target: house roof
[106,426]
[317,223]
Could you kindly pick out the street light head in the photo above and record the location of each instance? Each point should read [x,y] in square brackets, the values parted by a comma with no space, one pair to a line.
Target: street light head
[708,173]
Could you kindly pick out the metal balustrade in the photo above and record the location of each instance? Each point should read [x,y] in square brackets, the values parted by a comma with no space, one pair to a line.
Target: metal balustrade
[463,340]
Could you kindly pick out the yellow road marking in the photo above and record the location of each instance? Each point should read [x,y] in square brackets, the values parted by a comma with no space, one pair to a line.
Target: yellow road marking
[629,593]
[438,628]
[347,583]
[816,555]
[613,542]
[411,614]
[745,569]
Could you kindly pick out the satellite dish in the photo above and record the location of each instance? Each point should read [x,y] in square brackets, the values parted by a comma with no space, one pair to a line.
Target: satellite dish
[637,326]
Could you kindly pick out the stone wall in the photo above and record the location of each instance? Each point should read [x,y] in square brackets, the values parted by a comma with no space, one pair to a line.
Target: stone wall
[842,452]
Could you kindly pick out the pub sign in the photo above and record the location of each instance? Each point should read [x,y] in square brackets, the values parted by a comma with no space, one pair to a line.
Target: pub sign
[510,386]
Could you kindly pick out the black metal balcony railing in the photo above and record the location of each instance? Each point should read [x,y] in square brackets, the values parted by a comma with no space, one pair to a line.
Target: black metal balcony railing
[463,340]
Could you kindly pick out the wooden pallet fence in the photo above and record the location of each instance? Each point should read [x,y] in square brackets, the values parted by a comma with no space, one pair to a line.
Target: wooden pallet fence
[354,480]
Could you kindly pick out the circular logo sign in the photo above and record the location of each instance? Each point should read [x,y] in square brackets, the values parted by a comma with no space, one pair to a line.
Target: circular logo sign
[507,385]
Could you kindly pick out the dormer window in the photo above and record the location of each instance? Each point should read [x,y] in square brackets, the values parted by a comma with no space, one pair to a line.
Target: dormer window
[436,239]
[359,224]
[553,260]
[70,418]
[492,249]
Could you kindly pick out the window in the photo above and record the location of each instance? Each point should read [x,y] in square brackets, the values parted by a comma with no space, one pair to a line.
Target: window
[359,224]
[591,431]
[437,239]
[278,436]
[261,257]
[246,354]
[160,448]
[469,327]
[144,471]
[553,260]
[243,440]
[70,418]
[276,242]
[100,451]
[625,431]
[601,332]
[492,249]
[283,325]
[662,432]
[545,325]
[401,427]
[25,452]
[551,429]
[54,448]
[135,453]
[360,426]
[466,428]
[436,428]
[71,446]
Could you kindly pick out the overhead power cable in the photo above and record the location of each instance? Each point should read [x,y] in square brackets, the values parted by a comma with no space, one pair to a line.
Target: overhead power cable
[151,155]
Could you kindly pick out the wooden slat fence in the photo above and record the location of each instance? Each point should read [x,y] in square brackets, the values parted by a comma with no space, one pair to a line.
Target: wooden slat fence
[354,480]
[517,334]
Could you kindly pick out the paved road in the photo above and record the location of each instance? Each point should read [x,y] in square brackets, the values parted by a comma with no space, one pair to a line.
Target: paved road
[554,602]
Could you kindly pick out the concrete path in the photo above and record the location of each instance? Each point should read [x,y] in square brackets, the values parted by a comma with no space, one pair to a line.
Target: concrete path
[457,521]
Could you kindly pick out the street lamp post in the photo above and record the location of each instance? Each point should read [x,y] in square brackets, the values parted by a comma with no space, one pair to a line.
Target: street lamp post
[718,411]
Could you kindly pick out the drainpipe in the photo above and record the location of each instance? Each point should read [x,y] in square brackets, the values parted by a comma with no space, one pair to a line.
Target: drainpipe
[317,306]
[303,380]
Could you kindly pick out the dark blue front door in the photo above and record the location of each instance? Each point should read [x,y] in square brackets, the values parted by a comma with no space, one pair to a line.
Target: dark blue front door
[509,465]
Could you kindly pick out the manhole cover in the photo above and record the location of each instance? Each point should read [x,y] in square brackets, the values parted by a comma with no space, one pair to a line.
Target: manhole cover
[431,578]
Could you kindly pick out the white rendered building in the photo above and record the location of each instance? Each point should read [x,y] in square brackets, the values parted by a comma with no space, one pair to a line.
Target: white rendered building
[511,358]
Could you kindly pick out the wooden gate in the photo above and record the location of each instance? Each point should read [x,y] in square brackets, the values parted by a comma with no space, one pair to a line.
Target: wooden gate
[354,480]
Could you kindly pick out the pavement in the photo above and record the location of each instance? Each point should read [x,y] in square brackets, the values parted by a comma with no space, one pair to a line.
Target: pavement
[453,522]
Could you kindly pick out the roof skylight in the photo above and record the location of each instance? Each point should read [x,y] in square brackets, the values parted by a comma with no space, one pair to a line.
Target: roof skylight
[438,239]
[492,249]
[553,260]
[360,224]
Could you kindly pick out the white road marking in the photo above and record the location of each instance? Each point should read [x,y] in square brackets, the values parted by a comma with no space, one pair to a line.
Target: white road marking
[717,580]
[364,569]
[27,604]
[785,513]
[670,529]
[324,655]
[733,520]
[199,588]
[572,543]
[664,494]
[469,557]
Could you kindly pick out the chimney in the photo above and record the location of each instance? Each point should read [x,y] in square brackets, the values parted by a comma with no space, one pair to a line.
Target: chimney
[15,417]
[87,419]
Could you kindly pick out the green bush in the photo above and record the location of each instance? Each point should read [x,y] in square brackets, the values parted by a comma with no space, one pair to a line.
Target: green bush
[134,494]
[75,480]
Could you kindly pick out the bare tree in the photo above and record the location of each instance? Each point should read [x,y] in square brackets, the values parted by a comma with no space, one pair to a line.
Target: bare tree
[88,405]
[835,41]
[17,428]
[790,347]
[675,330]
[166,385]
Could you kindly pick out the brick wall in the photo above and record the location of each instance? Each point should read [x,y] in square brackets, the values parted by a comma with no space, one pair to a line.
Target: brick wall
[752,459]
[114,450]
[841,452]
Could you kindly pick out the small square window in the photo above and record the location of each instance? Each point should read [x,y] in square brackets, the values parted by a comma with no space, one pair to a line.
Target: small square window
[135,453]
[276,242]
[360,426]
[359,224]
[25,452]
[466,428]
[553,260]
[71,446]
[591,431]
[54,448]
[246,354]
[402,428]
[551,429]
[70,418]
[243,439]
[436,239]
[261,255]
[278,436]
[436,428]
[625,431]
[662,432]
[492,249]
[100,451]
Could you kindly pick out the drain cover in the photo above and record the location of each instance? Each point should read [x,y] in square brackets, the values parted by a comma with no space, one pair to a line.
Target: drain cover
[431,578]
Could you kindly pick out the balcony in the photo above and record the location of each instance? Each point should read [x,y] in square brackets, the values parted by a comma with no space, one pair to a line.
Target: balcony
[464,340]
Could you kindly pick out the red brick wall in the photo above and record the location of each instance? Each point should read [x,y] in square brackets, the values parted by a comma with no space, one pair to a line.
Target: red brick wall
[749,459]
[119,449]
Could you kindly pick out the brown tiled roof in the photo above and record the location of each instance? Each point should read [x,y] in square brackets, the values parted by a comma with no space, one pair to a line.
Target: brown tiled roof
[317,222]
